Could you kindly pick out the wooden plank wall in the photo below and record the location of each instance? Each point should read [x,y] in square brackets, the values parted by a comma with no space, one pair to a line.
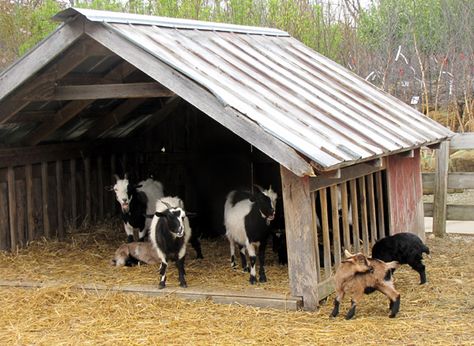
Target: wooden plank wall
[44,199]
[406,194]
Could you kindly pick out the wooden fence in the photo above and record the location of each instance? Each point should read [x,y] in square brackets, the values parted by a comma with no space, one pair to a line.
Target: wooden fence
[441,181]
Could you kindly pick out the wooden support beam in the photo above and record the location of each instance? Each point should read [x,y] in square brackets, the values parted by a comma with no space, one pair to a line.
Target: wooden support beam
[115,117]
[335,174]
[441,190]
[59,198]
[29,202]
[164,112]
[32,116]
[335,225]
[72,58]
[380,204]
[45,52]
[87,182]
[72,168]
[44,195]
[12,208]
[355,214]
[100,190]
[103,91]
[65,114]
[300,237]
[434,146]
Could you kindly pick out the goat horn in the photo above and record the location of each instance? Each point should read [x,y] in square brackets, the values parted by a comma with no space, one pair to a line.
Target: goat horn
[117,178]
[347,253]
[125,176]
[258,187]
[166,204]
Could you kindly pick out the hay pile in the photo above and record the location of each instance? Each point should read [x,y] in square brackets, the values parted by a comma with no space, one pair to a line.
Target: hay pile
[439,313]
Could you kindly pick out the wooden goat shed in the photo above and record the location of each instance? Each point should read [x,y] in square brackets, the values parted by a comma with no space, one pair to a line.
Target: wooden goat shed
[205,107]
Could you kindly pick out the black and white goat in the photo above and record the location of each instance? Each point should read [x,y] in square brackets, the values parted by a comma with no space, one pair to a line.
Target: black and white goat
[169,234]
[246,219]
[405,248]
[136,201]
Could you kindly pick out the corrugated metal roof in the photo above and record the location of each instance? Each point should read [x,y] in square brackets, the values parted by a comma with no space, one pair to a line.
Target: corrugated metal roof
[322,110]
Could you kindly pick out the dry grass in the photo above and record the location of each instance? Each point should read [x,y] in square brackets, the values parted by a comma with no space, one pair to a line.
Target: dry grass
[439,313]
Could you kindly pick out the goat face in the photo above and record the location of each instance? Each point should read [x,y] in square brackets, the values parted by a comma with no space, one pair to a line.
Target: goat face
[266,202]
[124,192]
[175,220]
[360,263]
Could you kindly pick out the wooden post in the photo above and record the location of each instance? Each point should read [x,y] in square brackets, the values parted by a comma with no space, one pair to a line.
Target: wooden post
[72,165]
[355,215]
[44,192]
[4,219]
[372,209]
[87,183]
[300,238]
[441,190]
[112,172]
[29,202]
[325,228]
[12,208]
[100,189]
[59,198]
[363,211]
[380,205]
[345,217]
[335,225]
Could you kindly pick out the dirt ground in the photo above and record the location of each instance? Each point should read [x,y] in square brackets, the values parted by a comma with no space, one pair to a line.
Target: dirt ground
[438,313]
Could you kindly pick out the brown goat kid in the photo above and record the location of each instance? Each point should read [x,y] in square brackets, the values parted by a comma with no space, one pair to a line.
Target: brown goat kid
[133,253]
[359,274]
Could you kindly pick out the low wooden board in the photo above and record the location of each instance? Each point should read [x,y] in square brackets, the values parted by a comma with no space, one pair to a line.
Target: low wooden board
[249,297]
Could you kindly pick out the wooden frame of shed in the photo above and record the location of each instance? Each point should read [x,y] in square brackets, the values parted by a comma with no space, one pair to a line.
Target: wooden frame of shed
[70,111]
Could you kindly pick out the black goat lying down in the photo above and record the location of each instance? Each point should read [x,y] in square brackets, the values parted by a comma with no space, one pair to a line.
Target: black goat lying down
[405,248]
[169,234]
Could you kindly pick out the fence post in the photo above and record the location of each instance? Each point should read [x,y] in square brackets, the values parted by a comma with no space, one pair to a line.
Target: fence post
[441,190]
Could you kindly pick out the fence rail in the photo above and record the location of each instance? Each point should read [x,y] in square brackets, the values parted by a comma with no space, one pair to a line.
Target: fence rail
[441,181]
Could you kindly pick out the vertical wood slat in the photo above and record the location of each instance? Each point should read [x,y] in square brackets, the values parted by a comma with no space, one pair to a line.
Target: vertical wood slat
[29,202]
[299,238]
[4,218]
[363,212]
[87,183]
[59,198]
[345,217]
[325,228]
[100,189]
[72,166]
[372,211]
[315,232]
[21,212]
[355,215]
[12,207]
[45,192]
[441,190]
[335,224]
[380,205]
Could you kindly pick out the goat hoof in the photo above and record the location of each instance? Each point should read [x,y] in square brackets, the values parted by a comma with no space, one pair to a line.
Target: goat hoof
[130,238]
[253,280]
[161,285]
[262,278]
[199,256]
[246,270]
[183,284]
[392,315]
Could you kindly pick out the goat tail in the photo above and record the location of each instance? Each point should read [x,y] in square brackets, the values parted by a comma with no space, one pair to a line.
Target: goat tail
[425,249]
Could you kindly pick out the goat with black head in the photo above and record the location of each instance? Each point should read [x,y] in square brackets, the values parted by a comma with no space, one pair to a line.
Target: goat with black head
[136,201]
[169,234]
[246,218]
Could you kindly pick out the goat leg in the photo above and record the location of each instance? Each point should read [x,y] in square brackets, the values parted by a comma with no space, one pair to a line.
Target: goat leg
[253,278]
[163,267]
[352,310]
[337,302]
[243,260]
[181,272]
[261,259]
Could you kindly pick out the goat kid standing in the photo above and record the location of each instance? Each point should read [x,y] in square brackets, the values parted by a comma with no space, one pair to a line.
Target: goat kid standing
[136,201]
[169,235]
[358,275]
[246,219]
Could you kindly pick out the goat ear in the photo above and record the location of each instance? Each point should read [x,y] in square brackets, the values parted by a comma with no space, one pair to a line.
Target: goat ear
[159,214]
[125,176]
[137,186]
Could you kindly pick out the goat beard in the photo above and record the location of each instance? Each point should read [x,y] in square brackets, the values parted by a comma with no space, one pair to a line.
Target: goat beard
[125,207]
